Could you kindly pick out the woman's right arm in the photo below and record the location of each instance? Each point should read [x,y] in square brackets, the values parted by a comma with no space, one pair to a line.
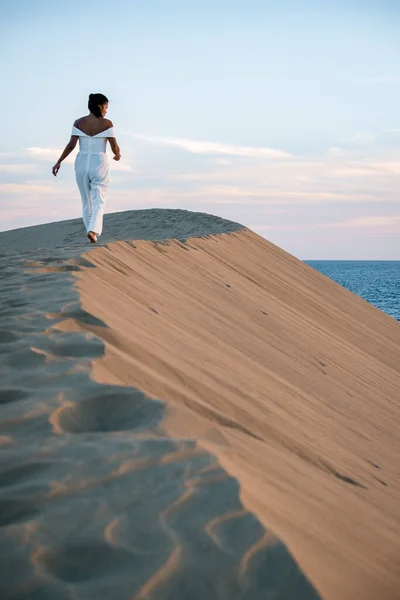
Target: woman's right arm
[67,150]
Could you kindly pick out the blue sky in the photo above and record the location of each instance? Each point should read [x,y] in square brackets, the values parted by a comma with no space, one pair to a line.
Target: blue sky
[282,116]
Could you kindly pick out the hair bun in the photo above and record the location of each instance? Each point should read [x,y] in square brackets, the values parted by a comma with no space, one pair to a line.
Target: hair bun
[95,100]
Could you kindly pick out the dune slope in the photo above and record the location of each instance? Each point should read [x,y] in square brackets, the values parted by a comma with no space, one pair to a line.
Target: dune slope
[99,497]
[288,379]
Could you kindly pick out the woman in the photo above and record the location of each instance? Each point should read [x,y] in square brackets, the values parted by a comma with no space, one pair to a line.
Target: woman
[91,164]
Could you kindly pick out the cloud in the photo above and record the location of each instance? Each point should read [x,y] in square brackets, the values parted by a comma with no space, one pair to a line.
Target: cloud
[201,147]
[16,168]
[245,194]
[52,155]
[28,188]
[222,161]
[120,165]
[340,152]
[387,166]
[338,195]
[373,221]
[386,78]
[48,154]
[34,202]
[300,180]
[379,222]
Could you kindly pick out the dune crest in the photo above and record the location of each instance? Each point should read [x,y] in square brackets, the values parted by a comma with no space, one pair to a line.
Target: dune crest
[289,379]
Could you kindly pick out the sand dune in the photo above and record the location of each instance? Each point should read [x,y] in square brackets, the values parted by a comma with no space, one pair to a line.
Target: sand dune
[99,498]
[209,418]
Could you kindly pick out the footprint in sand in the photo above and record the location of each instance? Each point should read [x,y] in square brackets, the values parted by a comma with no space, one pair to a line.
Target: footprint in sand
[111,409]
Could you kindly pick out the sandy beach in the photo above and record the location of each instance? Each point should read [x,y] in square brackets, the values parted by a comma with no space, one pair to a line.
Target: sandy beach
[190,412]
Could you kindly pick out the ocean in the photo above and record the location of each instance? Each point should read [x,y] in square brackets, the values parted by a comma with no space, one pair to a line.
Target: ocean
[377,281]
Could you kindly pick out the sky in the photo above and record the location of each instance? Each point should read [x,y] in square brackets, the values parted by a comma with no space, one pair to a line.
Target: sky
[283,116]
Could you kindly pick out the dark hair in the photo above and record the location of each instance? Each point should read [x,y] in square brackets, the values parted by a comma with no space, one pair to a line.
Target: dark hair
[94,101]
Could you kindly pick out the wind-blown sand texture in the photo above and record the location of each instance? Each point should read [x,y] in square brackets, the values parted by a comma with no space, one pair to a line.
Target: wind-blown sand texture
[199,395]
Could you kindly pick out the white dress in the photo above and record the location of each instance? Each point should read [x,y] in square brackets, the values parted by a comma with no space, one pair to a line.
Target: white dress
[92,176]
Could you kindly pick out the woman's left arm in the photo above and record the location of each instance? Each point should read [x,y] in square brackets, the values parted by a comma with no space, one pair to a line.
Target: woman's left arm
[67,151]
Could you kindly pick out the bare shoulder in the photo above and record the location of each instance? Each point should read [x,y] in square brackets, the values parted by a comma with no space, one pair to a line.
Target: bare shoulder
[108,123]
[79,121]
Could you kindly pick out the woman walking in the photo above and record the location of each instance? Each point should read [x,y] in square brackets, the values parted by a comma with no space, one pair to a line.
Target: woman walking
[91,164]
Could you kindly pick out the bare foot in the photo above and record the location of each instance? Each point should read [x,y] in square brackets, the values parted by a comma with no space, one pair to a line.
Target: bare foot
[92,237]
